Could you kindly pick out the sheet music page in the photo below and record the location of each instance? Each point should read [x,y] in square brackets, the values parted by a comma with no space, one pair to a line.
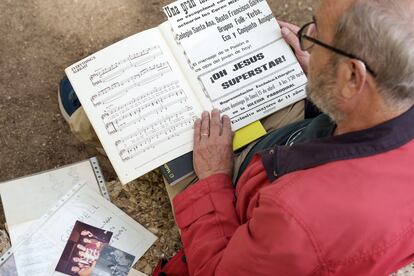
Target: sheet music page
[39,254]
[138,102]
[238,54]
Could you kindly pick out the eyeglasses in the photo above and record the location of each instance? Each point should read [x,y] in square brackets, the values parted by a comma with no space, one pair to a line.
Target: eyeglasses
[307,40]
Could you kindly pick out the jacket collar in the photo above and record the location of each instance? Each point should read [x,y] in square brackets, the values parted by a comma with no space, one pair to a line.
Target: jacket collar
[387,136]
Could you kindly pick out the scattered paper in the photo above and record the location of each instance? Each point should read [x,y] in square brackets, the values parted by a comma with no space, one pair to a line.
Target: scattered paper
[42,247]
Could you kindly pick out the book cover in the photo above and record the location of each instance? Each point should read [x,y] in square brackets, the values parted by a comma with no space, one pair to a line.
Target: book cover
[178,169]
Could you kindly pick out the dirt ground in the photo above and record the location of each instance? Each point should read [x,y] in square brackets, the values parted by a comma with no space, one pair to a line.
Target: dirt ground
[38,40]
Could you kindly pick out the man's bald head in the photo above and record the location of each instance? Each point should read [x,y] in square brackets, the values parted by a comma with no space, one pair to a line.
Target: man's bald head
[380,35]
[380,32]
[328,13]
[334,9]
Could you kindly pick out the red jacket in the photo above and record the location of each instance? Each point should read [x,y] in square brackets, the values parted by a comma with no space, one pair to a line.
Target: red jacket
[341,205]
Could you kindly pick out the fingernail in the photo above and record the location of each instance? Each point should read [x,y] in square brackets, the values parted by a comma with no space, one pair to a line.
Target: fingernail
[215,110]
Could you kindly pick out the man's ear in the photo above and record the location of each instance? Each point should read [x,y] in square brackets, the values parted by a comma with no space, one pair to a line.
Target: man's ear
[352,75]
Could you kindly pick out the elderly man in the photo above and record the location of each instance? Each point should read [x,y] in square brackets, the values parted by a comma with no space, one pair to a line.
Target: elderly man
[333,195]
[338,198]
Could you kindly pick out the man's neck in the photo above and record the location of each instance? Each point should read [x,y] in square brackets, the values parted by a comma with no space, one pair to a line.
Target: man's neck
[371,117]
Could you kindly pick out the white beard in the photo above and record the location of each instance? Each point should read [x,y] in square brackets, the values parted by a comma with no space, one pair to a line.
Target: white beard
[321,92]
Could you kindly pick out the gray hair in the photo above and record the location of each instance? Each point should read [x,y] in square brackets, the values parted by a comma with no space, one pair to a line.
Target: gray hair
[381,32]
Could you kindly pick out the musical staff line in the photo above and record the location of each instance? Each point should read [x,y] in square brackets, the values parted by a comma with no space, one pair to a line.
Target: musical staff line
[134,60]
[135,151]
[154,72]
[155,111]
[163,120]
[140,108]
[142,104]
[155,93]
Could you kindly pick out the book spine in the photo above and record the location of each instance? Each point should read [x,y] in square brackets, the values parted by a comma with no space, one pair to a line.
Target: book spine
[190,64]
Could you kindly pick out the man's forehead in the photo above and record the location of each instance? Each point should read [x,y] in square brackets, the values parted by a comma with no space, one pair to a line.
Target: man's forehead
[338,5]
[332,9]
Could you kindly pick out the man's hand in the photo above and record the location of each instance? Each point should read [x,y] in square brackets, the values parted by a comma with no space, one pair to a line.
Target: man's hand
[213,151]
[289,33]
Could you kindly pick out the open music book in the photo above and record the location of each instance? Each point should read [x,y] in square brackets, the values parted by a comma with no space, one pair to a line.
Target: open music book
[143,94]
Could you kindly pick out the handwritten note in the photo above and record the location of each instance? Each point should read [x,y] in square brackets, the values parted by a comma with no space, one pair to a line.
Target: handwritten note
[27,199]
[39,252]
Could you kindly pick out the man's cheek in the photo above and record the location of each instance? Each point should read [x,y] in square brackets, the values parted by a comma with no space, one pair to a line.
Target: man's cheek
[312,66]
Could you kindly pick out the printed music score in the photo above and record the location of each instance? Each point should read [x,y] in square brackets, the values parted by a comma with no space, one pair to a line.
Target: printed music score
[154,118]
[139,103]
[119,89]
[140,119]
[163,130]
[118,68]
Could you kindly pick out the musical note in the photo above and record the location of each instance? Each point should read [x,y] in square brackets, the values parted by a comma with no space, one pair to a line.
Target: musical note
[160,103]
[154,72]
[163,122]
[141,103]
[155,102]
[133,60]
[145,144]
[149,136]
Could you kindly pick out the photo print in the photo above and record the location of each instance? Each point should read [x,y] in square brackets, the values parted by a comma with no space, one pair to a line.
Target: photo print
[82,249]
[113,262]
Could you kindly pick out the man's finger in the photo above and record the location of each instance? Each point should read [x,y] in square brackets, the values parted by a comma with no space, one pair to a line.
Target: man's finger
[215,123]
[292,39]
[205,125]
[227,127]
[295,29]
[197,131]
